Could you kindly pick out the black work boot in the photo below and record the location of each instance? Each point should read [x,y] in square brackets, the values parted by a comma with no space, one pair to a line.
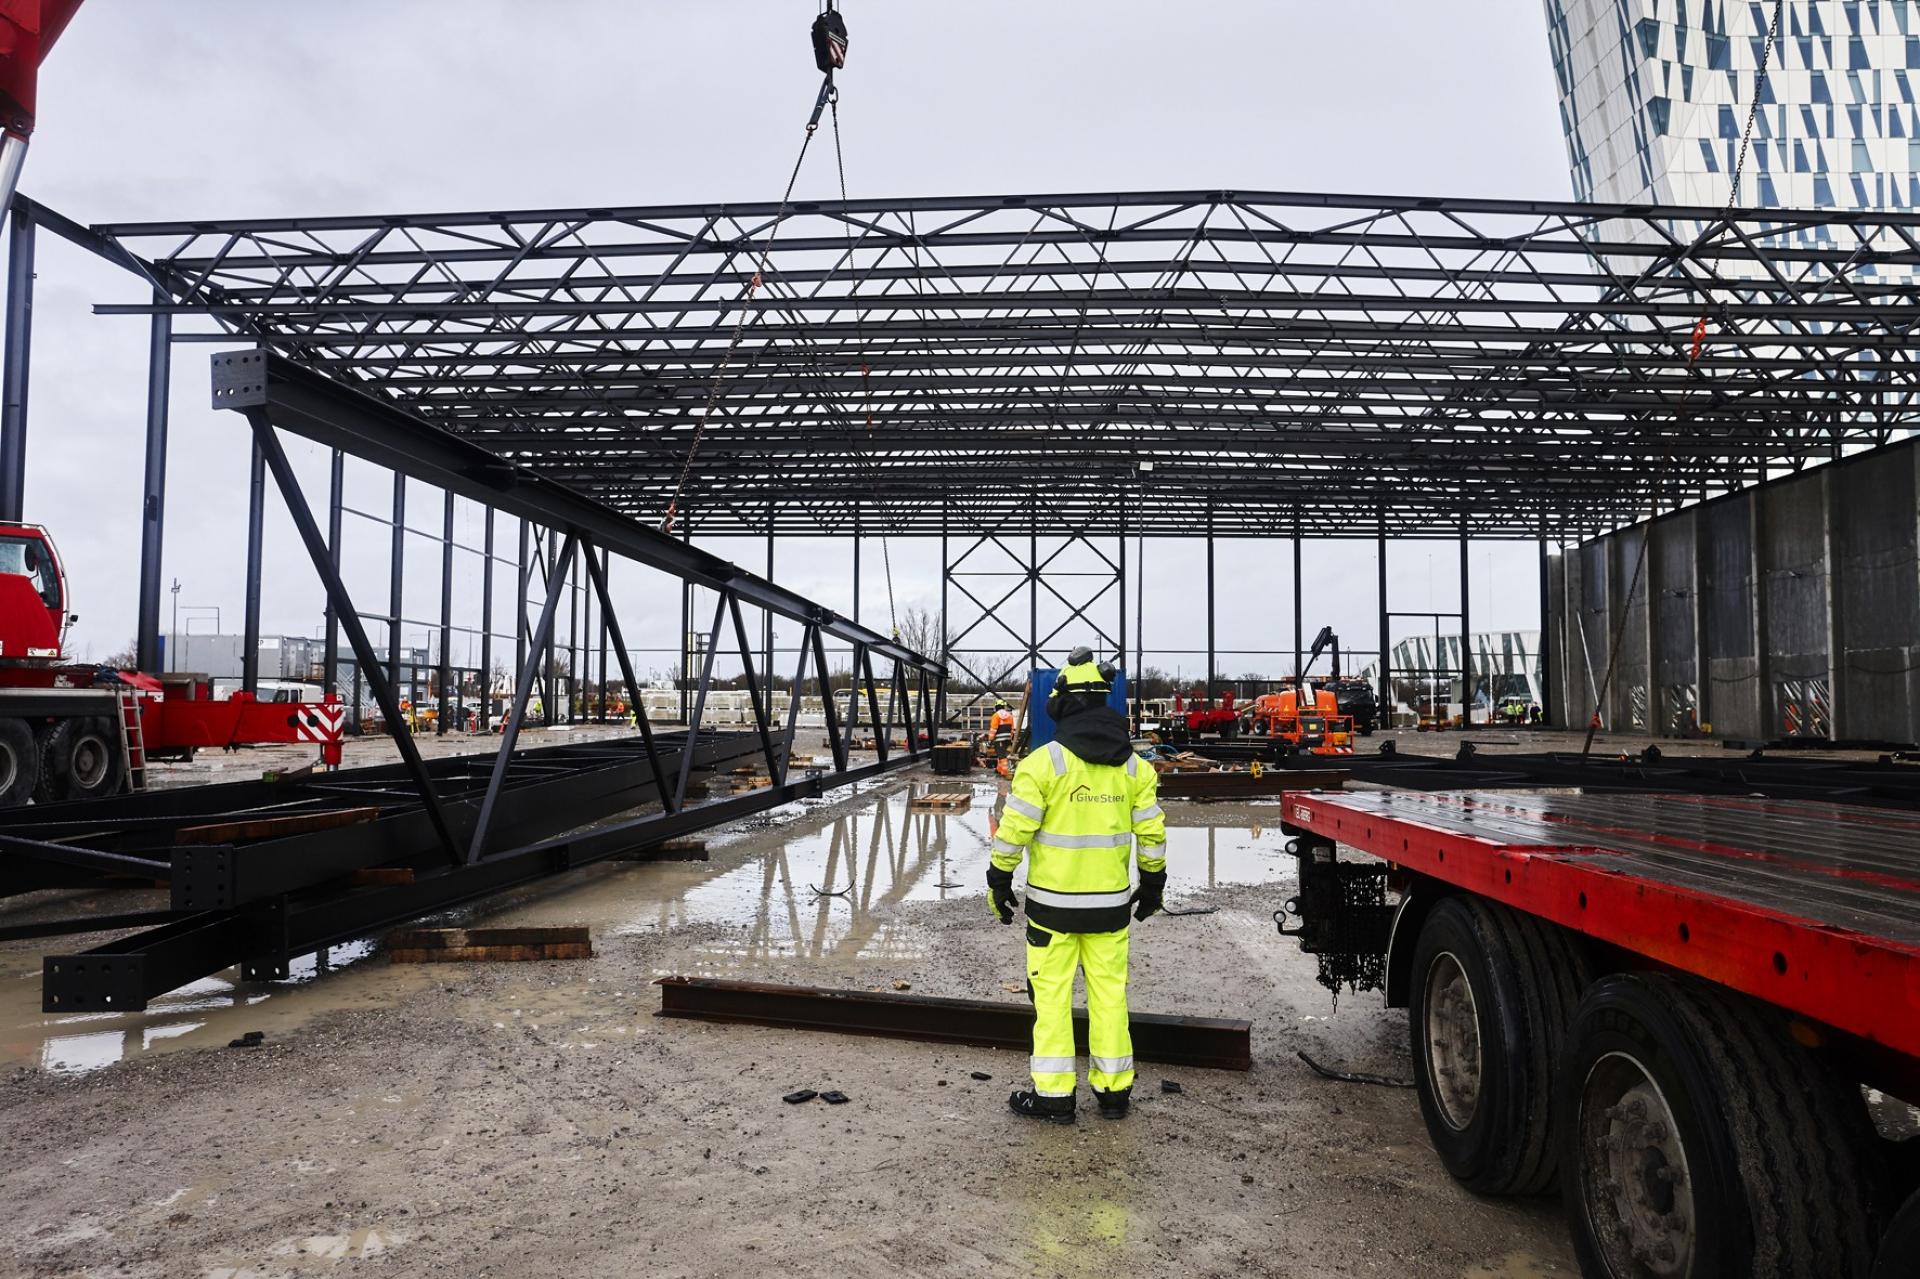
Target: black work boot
[1031,1104]
[1115,1104]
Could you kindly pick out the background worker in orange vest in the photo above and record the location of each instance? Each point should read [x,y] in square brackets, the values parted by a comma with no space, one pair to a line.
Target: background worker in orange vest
[1000,728]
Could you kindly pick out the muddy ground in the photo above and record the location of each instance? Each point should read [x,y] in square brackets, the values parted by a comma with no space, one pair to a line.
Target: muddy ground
[539,1119]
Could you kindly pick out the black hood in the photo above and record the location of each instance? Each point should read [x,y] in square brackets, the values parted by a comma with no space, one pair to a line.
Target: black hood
[1097,734]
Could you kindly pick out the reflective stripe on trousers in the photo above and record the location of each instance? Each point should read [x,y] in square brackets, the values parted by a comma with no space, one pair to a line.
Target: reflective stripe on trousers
[1050,970]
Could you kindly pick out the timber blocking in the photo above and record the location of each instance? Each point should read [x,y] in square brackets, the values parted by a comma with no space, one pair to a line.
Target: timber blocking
[484,945]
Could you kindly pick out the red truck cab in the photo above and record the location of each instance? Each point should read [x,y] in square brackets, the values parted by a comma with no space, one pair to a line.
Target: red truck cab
[33,596]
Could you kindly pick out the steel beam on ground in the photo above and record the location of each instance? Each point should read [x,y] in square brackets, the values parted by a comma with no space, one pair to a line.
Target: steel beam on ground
[1211,1042]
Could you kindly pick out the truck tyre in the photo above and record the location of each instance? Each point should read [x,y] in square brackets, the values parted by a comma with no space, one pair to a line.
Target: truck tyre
[1900,1244]
[80,759]
[1491,993]
[19,763]
[1699,1140]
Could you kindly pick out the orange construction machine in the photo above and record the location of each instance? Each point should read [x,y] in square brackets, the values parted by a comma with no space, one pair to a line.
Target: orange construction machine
[1317,727]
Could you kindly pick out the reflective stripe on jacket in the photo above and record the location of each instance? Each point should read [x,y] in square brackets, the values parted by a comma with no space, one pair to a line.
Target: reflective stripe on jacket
[1079,821]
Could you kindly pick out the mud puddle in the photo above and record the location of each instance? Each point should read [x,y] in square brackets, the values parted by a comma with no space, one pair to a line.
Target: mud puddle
[809,881]
[208,1013]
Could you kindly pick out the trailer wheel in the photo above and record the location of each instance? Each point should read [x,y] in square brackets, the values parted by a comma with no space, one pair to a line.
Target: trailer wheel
[19,763]
[1901,1242]
[80,759]
[1700,1141]
[1491,993]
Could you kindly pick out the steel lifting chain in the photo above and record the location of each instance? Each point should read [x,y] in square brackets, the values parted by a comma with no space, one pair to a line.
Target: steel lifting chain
[1693,357]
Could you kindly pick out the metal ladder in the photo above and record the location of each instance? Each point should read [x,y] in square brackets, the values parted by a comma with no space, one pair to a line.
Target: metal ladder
[133,744]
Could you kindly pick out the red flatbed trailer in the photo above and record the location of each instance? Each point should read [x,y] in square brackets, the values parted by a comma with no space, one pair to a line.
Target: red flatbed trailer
[1585,969]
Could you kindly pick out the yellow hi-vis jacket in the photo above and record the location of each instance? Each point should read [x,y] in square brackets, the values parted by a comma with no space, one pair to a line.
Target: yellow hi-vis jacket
[1079,821]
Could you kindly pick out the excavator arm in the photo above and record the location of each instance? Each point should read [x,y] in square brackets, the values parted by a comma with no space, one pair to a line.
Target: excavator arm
[28,32]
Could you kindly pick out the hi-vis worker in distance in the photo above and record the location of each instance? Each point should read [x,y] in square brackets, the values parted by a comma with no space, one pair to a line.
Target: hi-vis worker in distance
[1000,729]
[1077,807]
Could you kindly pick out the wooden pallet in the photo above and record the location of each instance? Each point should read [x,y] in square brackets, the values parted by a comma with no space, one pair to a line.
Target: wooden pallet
[941,802]
[457,945]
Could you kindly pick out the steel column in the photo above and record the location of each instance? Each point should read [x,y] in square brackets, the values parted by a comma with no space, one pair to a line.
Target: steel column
[336,500]
[856,562]
[1386,655]
[446,618]
[19,358]
[256,537]
[1298,648]
[396,569]
[1546,639]
[1466,631]
[1120,657]
[1033,587]
[600,563]
[154,493]
[550,686]
[1211,656]
[485,717]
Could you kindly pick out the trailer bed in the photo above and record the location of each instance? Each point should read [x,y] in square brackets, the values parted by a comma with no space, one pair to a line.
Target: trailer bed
[1814,907]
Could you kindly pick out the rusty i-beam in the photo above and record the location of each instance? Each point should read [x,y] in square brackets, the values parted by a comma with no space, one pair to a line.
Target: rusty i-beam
[1216,1043]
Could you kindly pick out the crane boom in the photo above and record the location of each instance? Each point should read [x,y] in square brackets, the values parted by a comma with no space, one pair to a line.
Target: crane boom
[28,31]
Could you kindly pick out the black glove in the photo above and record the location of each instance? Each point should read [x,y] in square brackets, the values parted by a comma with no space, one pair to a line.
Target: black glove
[1000,893]
[1152,893]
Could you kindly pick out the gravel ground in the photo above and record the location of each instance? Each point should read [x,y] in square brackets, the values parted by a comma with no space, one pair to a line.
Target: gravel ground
[523,1119]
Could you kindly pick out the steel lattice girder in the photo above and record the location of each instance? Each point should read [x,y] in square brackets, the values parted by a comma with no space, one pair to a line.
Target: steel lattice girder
[1342,360]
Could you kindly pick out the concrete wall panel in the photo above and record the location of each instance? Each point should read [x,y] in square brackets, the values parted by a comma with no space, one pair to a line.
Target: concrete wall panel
[1731,693]
[1793,561]
[1796,603]
[1630,696]
[1877,605]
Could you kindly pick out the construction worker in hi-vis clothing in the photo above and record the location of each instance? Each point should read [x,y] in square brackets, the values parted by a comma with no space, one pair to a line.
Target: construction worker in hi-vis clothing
[1076,809]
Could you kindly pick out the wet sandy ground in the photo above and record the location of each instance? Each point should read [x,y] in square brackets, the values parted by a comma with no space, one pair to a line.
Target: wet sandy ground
[533,1119]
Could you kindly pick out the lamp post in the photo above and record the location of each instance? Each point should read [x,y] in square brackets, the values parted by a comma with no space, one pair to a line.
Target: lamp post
[173,640]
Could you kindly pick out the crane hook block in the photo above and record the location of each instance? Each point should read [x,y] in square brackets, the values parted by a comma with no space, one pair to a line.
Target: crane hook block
[829,41]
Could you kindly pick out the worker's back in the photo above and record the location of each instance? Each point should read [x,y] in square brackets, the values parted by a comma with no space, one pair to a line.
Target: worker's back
[1077,804]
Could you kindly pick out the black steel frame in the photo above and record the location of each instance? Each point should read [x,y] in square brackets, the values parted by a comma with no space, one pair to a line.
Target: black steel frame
[1517,367]
[260,874]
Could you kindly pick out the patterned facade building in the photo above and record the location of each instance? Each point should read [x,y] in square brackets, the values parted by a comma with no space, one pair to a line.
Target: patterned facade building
[1654,96]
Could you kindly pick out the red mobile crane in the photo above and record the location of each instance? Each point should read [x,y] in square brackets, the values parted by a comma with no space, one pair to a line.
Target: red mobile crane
[74,731]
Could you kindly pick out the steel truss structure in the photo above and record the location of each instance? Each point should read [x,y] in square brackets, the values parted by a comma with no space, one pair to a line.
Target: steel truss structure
[1519,368]
[262,873]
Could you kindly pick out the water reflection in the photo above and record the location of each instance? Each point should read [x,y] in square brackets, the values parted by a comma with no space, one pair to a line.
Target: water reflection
[829,894]
[825,890]
[205,1013]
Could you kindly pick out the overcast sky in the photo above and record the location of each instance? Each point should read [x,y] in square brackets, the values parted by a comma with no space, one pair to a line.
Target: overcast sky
[225,108]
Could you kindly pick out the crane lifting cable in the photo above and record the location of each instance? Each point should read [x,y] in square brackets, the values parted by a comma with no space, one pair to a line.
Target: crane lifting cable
[829,36]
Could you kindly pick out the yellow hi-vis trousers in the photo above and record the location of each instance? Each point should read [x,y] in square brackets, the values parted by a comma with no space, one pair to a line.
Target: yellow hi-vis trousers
[1052,959]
